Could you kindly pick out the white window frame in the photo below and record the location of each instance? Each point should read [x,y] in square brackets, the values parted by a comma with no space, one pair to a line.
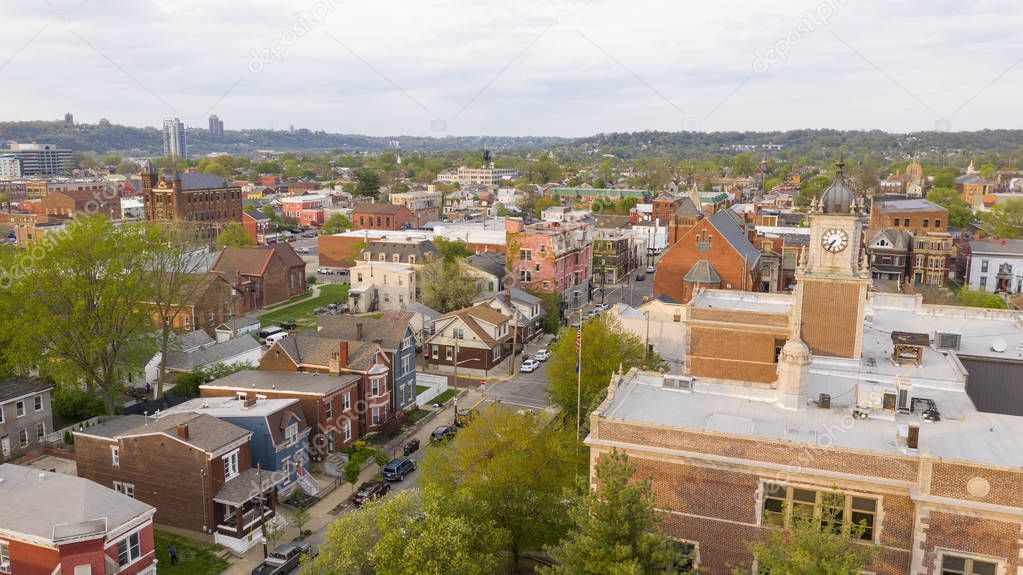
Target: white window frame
[115,456]
[329,409]
[38,403]
[23,437]
[374,387]
[346,401]
[346,429]
[128,548]
[125,488]
[969,559]
[231,465]
[5,556]
[375,416]
[291,433]
[40,429]
[19,409]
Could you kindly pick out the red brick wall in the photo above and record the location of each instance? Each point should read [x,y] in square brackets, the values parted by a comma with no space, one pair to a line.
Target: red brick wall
[85,552]
[32,560]
[988,537]
[680,258]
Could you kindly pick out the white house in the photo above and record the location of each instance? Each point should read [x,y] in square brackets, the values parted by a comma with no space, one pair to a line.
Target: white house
[995,265]
[381,286]
[659,324]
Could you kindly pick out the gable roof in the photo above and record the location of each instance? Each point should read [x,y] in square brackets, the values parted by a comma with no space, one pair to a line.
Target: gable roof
[391,329]
[313,349]
[687,209]
[897,239]
[212,354]
[730,230]
[491,263]
[253,260]
[53,506]
[14,387]
[203,181]
[205,432]
[472,316]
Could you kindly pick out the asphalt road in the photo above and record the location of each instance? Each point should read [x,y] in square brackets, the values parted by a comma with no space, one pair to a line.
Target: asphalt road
[524,389]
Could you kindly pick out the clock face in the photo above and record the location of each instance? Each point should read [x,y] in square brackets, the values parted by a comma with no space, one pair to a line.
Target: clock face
[834,240]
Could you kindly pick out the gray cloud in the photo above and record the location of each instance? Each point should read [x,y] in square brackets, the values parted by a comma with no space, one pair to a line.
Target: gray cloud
[559,67]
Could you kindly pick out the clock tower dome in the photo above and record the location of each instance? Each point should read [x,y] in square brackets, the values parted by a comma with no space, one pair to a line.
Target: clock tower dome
[832,280]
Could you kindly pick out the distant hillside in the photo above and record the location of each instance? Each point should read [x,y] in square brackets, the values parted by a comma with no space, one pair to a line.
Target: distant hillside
[112,138]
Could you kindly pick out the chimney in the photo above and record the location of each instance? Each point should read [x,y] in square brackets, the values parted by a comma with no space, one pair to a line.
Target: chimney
[344,353]
[249,402]
[183,430]
[358,331]
[913,439]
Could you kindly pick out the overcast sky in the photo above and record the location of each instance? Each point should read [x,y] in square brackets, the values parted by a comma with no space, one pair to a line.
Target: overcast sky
[517,67]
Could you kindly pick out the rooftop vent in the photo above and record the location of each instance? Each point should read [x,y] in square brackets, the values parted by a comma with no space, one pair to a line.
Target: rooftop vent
[824,401]
[678,382]
[999,345]
[947,340]
[926,407]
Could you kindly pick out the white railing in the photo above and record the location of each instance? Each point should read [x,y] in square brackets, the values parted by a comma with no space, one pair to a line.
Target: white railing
[436,384]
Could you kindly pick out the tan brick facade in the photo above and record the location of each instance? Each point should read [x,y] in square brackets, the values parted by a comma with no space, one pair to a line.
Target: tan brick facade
[828,328]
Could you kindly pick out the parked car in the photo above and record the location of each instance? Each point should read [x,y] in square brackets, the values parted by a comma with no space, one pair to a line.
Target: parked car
[411,446]
[302,250]
[651,269]
[325,271]
[601,307]
[529,366]
[369,491]
[283,559]
[397,469]
[542,354]
[640,277]
[442,433]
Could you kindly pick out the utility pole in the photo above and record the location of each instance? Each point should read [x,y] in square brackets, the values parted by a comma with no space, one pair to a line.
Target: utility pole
[515,333]
[579,379]
[262,519]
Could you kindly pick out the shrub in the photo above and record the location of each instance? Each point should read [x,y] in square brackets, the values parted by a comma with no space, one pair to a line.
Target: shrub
[381,458]
[74,404]
[69,438]
[311,279]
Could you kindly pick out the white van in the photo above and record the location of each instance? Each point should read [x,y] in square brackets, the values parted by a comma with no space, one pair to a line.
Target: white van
[267,332]
[276,338]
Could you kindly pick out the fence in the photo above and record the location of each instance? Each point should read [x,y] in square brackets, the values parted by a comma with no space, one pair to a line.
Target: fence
[58,435]
[436,384]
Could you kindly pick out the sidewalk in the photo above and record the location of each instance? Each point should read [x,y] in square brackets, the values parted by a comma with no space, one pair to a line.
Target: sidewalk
[322,513]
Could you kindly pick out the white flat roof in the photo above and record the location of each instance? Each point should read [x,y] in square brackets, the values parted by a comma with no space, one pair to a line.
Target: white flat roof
[230,407]
[744,301]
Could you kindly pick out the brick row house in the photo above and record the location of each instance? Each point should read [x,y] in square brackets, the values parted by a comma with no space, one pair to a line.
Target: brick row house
[55,523]
[262,275]
[908,241]
[368,216]
[314,353]
[835,400]
[26,415]
[475,339]
[195,469]
[327,403]
[551,257]
[211,302]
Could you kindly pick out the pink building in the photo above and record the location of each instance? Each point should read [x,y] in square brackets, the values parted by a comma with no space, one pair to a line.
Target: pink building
[307,210]
[552,257]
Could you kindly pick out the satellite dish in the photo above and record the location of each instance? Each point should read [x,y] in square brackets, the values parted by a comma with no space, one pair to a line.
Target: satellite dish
[999,345]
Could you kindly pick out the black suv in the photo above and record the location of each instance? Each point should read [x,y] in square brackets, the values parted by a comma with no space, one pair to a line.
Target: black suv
[397,469]
[442,433]
[369,491]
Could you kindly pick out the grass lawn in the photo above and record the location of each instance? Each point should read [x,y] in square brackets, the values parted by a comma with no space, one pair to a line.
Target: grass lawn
[443,397]
[421,389]
[302,312]
[194,558]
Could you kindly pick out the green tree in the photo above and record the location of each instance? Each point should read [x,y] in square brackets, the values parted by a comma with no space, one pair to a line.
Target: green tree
[959,213]
[299,517]
[447,285]
[606,347]
[400,535]
[234,235]
[972,298]
[988,171]
[75,308]
[336,223]
[811,545]
[812,188]
[368,182]
[613,528]
[508,468]
[1005,219]
[744,165]
[945,178]
[452,250]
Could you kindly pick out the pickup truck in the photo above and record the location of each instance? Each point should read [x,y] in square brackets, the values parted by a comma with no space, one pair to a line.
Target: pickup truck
[283,559]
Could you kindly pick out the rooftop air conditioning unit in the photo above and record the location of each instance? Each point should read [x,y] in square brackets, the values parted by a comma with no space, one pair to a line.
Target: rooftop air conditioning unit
[678,382]
[947,340]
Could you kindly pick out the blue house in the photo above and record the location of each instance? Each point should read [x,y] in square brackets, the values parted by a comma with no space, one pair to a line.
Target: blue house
[393,332]
[280,434]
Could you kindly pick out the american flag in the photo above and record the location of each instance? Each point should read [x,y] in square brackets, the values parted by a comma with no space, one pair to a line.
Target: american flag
[579,348]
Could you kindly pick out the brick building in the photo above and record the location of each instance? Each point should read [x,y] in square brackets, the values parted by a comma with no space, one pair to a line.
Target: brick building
[913,215]
[923,226]
[476,339]
[207,200]
[785,399]
[55,523]
[210,303]
[552,257]
[305,210]
[614,256]
[257,226]
[424,205]
[262,275]
[328,403]
[194,468]
[972,187]
[70,203]
[714,253]
[381,217]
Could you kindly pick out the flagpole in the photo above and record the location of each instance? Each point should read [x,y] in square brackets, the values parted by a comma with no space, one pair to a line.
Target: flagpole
[579,376]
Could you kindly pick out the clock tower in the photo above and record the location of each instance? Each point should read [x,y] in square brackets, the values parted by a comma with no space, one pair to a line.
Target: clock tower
[832,280]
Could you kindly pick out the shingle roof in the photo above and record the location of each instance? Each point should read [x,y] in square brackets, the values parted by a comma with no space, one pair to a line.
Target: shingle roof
[253,260]
[702,273]
[216,353]
[471,317]
[204,432]
[686,208]
[295,381]
[492,263]
[391,331]
[1009,247]
[312,348]
[897,239]
[242,488]
[13,387]
[734,235]
[203,181]
[54,506]
[384,209]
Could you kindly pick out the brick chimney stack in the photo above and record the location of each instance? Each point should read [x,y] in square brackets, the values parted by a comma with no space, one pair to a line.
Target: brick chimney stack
[183,431]
[358,331]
